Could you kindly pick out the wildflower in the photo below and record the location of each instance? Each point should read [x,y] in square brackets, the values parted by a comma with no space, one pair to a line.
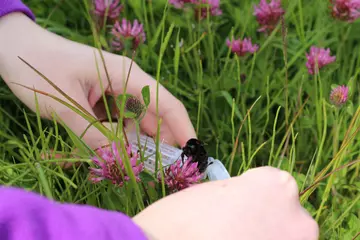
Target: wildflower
[206,7]
[134,105]
[318,58]
[179,177]
[339,95]
[127,31]
[241,47]
[109,8]
[180,3]
[268,14]
[346,10]
[111,166]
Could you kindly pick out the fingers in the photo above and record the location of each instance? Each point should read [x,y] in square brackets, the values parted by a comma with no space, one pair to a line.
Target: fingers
[91,136]
[60,157]
[255,205]
[149,125]
[270,176]
[177,118]
[171,110]
[280,189]
[79,125]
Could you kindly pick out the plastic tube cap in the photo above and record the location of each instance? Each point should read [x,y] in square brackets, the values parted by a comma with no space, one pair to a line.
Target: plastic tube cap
[216,170]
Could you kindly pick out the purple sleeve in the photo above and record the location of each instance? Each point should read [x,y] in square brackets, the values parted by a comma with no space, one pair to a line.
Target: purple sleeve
[26,215]
[9,6]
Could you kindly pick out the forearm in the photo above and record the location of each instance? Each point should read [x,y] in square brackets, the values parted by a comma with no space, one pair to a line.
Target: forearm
[71,66]
[20,37]
[44,50]
[16,26]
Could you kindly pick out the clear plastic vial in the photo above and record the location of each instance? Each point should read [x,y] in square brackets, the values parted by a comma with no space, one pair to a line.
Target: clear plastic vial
[169,154]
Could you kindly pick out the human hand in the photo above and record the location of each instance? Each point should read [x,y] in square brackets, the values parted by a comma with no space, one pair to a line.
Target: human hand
[71,66]
[263,203]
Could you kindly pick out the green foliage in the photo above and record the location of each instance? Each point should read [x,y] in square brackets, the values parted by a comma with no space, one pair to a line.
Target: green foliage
[191,59]
[145,92]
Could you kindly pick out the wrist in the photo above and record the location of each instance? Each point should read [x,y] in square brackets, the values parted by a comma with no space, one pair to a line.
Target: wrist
[18,32]
[22,37]
[14,24]
[7,7]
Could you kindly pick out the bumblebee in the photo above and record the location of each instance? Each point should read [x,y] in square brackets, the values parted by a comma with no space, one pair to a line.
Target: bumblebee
[195,149]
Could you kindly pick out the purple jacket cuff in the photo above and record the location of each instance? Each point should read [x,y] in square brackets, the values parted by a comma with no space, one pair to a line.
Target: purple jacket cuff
[26,215]
[9,6]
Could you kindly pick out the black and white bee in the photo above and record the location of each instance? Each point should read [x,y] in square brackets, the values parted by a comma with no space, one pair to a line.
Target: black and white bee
[195,149]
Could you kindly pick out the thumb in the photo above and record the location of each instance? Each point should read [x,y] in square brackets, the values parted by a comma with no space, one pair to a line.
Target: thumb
[79,126]
[171,110]
[82,127]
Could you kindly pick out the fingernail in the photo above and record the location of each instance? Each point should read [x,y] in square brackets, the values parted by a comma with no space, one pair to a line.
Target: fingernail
[289,181]
[284,177]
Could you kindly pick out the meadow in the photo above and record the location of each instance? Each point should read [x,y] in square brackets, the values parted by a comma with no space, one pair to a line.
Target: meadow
[259,107]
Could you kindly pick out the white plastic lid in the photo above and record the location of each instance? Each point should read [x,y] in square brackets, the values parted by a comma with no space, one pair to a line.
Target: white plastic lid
[169,154]
[216,170]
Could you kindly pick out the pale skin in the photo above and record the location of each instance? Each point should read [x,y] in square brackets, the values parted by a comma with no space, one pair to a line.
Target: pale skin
[71,66]
[263,203]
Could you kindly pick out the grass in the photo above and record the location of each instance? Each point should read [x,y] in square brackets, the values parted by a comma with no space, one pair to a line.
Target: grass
[279,115]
